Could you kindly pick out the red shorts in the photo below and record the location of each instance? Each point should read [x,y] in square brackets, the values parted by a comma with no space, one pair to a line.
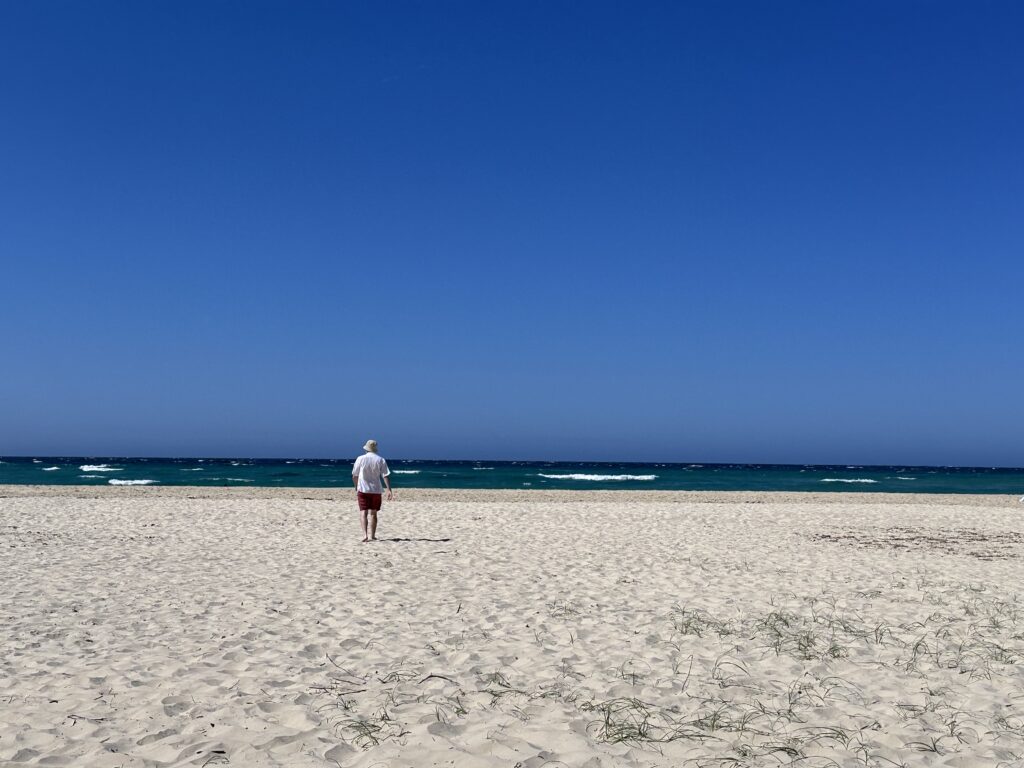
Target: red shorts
[368,502]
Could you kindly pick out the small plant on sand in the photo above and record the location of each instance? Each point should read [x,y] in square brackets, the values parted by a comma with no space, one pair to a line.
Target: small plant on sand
[694,621]
[622,720]
[880,631]
[724,671]
[714,717]
[827,733]
[932,745]
[362,733]
[633,670]
[498,687]
[562,608]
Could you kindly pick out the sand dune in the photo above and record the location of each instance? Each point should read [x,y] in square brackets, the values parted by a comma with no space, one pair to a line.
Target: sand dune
[144,626]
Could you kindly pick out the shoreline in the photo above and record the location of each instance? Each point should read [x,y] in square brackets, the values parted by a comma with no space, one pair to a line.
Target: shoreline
[503,495]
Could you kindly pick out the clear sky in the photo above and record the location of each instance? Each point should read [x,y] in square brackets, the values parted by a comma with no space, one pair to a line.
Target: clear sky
[750,231]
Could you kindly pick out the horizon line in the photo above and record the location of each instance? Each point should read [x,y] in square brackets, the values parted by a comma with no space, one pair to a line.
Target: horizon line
[530,461]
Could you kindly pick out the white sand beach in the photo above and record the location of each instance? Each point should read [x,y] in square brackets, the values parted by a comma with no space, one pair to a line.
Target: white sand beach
[147,626]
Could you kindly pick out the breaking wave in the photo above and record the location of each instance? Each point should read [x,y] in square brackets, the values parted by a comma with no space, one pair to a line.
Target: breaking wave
[131,482]
[405,471]
[99,468]
[847,480]
[49,469]
[598,478]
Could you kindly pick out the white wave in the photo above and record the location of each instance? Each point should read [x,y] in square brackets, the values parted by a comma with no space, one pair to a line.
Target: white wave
[905,478]
[847,480]
[405,471]
[93,477]
[479,468]
[232,479]
[49,469]
[98,468]
[37,461]
[131,482]
[599,478]
[532,484]
[193,469]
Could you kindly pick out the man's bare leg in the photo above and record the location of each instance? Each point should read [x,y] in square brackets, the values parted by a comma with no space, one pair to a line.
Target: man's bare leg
[373,525]
[362,522]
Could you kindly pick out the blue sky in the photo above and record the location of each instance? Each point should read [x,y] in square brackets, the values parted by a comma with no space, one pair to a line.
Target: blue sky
[786,232]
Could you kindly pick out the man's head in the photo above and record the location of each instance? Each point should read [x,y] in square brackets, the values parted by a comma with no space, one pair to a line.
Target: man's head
[371,446]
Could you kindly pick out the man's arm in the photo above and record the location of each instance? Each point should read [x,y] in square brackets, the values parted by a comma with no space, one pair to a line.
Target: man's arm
[384,475]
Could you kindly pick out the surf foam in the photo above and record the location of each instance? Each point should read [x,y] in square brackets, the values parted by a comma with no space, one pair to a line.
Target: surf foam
[131,482]
[99,468]
[597,478]
[847,480]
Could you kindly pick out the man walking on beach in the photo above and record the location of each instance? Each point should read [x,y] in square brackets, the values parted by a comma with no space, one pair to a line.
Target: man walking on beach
[369,471]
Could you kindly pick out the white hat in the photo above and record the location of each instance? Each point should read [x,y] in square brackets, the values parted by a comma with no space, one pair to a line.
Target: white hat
[371,445]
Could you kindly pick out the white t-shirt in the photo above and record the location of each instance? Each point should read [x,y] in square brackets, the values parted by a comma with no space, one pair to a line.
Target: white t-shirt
[370,469]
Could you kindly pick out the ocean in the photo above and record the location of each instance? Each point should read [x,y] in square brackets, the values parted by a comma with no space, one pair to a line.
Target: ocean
[331,473]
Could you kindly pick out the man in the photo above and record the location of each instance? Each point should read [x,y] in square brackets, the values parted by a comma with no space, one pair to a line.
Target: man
[369,470]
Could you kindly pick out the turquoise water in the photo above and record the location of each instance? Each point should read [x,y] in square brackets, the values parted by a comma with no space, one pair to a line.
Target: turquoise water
[328,473]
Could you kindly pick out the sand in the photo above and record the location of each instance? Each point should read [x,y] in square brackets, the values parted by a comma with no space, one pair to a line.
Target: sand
[162,627]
